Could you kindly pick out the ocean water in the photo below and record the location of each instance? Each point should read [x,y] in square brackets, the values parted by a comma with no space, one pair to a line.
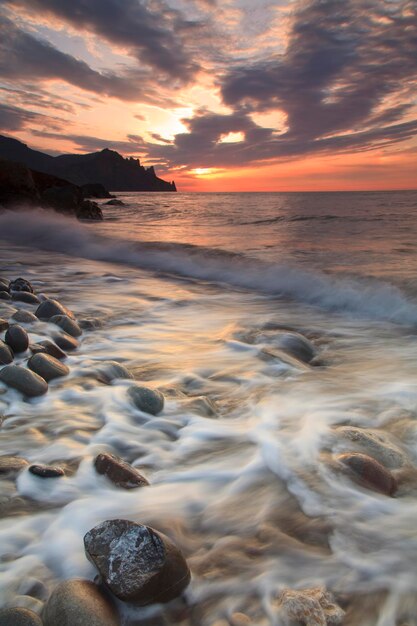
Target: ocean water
[195,293]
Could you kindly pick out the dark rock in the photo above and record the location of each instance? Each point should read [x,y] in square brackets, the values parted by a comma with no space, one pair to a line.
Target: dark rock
[46,471]
[89,211]
[90,323]
[67,324]
[12,464]
[24,296]
[20,284]
[119,472]
[79,603]
[111,370]
[47,347]
[4,325]
[17,338]
[95,190]
[138,564]
[19,617]
[6,355]
[368,472]
[49,308]
[16,185]
[297,346]
[47,366]
[4,284]
[24,380]
[4,295]
[66,342]
[115,202]
[24,317]
[147,400]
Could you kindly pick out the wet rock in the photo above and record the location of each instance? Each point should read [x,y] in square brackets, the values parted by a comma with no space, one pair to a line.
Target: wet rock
[47,471]
[24,317]
[20,284]
[17,338]
[4,284]
[6,355]
[24,296]
[115,202]
[12,464]
[95,190]
[67,324]
[4,325]
[312,607]
[375,443]
[297,346]
[147,400]
[65,342]
[47,347]
[47,366]
[19,617]
[137,563]
[119,472]
[49,308]
[368,472]
[111,370]
[4,295]
[90,323]
[79,603]
[24,380]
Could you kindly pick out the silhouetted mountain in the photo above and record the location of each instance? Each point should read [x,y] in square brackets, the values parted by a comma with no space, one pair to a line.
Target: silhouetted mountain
[106,167]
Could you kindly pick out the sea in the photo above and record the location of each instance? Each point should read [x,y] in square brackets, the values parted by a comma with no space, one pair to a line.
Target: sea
[194,293]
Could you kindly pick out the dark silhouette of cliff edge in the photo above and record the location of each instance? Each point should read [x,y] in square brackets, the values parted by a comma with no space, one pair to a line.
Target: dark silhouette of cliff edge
[106,167]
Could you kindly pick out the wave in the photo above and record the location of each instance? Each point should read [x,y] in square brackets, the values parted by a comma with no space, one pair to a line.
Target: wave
[358,297]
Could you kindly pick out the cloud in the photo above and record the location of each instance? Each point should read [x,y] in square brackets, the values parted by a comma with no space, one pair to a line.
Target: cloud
[133,144]
[14,118]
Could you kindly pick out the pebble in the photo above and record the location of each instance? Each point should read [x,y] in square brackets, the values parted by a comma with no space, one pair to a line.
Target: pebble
[25,317]
[145,399]
[49,308]
[24,380]
[311,607]
[4,325]
[47,366]
[297,346]
[90,323]
[79,603]
[24,296]
[4,295]
[47,347]
[66,342]
[12,464]
[46,471]
[20,284]
[17,338]
[377,444]
[119,472]
[67,324]
[137,563]
[369,472]
[19,617]
[6,355]
[111,370]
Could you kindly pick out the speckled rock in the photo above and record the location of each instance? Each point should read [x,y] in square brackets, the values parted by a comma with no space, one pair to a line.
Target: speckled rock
[147,400]
[368,472]
[47,347]
[376,443]
[12,464]
[68,325]
[111,370]
[24,296]
[20,284]
[6,355]
[47,471]
[19,617]
[17,338]
[138,564]
[24,317]
[24,380]
[47,366]
[311,607]
[49,308]
[119,472]
[65,342]
[4,325]
[79,603]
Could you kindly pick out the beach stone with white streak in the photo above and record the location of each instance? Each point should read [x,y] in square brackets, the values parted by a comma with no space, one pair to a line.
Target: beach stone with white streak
[24,296]
[368,472]
[65,341]
[49,308]
[19,617]
[79,603]
[67,324]
[119,472]
[47,366]
[24,317]
[6,355]
[137,563]
[311,607]
[145,399]
[47,347]
[17,338]
[24,380]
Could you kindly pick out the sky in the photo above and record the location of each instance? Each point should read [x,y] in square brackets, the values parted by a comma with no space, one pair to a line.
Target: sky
[220,95]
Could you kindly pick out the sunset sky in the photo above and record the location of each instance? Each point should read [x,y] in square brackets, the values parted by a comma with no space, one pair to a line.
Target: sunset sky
[224,95]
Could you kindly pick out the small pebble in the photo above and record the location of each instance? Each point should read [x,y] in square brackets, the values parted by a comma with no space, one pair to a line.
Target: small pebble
[47,471]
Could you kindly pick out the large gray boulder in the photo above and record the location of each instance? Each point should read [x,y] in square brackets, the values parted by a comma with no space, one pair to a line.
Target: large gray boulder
[19,617]
[24,380]
[119,472]
[145,399]
[47,366]
[79,603]
[137,563]
[49,308]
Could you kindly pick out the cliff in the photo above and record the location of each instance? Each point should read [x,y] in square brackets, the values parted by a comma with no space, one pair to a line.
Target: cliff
[106,167]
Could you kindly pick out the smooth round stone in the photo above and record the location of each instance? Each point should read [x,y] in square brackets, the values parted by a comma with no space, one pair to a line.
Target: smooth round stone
[368,472]
[137,563]
[24,296]
[147,400]
[24,317]
[17,338]
[6,355]
[47,471]
[4,325]
[65,342]
[47,366]
[297,346]
[20,284]
[119,472]
[67,324]
[47,347]
[24,380]
[19,617]
[111,370]
[49,308]
[90,323]
[79,603]
[12,464]
[4,295]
